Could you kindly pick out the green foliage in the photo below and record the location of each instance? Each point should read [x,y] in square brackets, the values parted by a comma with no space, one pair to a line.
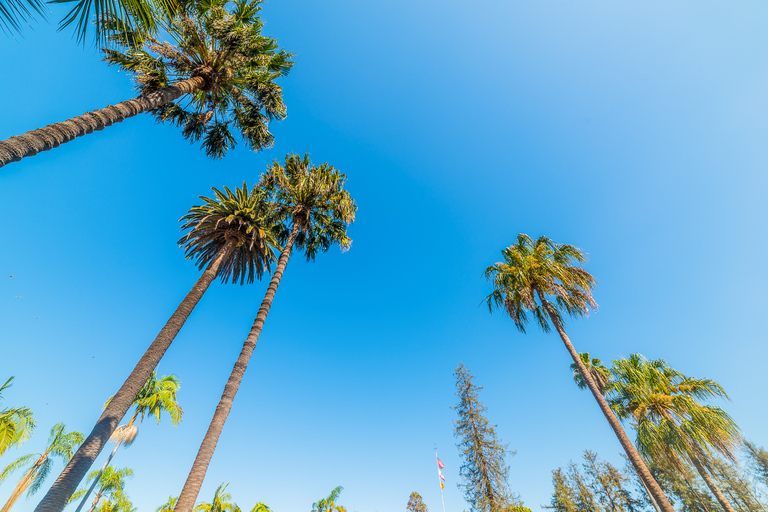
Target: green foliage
[329,504]
[312,198]
[484,471]
[758,459]
[15,12]
[16,423]
[416,503]
[599,373]
[118,502]
[220,502]
[247,218]
[594,486]
[540,269]
[111,483]
[220,42]
[169,505]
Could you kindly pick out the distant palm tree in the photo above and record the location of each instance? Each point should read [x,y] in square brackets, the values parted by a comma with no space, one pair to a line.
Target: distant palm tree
[542,278]
[156,396]
[118,503]
[671,423]
[261,507]
[219,503]
[221,62]
[313,202]
[168,505]
[600,373]
[329,504]
[16,423]
[60,444]
[232,237]
[111,483]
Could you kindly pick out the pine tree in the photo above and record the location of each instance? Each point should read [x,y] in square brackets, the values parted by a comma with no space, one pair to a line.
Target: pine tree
[758,459]
[563,498]
[484,471]
[415,503]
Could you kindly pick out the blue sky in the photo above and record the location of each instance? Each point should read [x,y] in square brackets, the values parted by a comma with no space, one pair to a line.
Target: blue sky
[634,131]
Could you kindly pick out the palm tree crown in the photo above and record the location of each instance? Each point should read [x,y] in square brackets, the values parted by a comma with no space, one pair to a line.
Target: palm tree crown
[246,217]
[220,42]
[542,268]
[329,504]
[597,370]
[664,406]
[219,503]
[313,199]
[16,423]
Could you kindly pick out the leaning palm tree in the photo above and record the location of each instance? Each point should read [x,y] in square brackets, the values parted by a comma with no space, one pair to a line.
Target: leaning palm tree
[232,238]
[329,504]
[600,373]
[221,63]
[542,278]
[111,482]
[157,396]
[16,423]
[315,211]
[60,444]
[671,423]
[219,503]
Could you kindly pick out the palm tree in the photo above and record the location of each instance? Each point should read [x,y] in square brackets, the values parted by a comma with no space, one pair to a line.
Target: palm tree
[261,507]
[329,504]
[671,423]
[599,372]
[542,278]
[168,505]
[221,62]
[231,238]
[16,423]
[119,503]
[60,444]
[312,200]
[156,396]
[111,483]
[219,503]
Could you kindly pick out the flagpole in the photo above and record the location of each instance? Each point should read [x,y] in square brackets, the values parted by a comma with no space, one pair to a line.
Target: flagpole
[439,480]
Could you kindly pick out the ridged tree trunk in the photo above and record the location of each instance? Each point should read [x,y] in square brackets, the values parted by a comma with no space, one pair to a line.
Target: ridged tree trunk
[24,484]
[727,507]
[632,454]
[53,135]
[58,495]
[196,475]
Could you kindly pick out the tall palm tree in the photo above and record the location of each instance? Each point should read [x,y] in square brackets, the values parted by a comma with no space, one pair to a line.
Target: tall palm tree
[671,423]
[542,278]
[221,62]
[599,372]
[16,423]
[157,396]
[329,504]
[111,484]
[230,238]
[60,444]
[219,503]
[313,202]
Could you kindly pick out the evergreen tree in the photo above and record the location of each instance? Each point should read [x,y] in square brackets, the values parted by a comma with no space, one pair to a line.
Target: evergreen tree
[484,470]
[736,486]
[563,498]
[416,503]
[758,459]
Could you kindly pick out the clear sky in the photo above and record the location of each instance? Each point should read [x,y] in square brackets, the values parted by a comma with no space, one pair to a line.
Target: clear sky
[634,130]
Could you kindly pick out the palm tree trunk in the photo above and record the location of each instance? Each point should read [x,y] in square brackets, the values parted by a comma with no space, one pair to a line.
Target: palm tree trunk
[24,484]
[650,497]
[632,454]
[58,495]
[196,475]
[53,135]
[727,507]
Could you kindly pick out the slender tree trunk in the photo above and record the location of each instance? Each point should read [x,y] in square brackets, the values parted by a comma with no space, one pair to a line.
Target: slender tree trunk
[196,475]
[632,453]
[58,495]
[727,507]
[95,501]
[53,135]
[650,497]
[24,484]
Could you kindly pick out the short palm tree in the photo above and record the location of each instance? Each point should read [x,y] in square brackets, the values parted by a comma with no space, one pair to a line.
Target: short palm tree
[168,505]
[118,503]
[329,504]
[261,507]
[543,279]
[157,396]
[671,423]
[16,423]
[315,210]
[232,238]
[60,444]
[111,485]
[219,503]
[221,63]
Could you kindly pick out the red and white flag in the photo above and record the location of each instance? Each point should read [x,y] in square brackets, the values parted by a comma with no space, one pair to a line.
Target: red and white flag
[441,475]
[440,464]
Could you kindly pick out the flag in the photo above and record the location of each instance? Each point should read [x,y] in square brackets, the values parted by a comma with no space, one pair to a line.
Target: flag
[442,486]
[440,464]
[441,475]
